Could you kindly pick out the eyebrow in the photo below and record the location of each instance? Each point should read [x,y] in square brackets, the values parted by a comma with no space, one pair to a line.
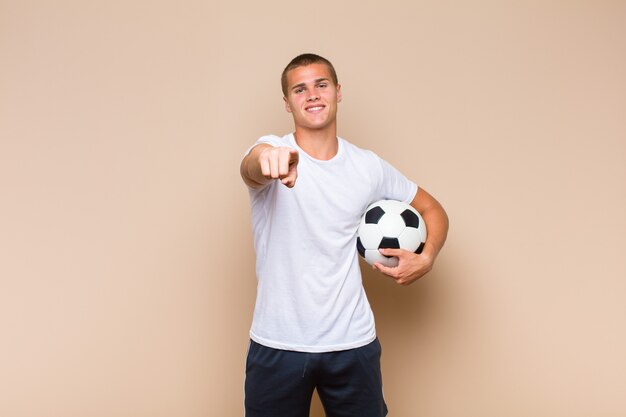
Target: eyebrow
[317,81]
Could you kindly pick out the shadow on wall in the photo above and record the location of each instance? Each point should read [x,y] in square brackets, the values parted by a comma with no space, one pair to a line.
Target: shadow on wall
[400,311]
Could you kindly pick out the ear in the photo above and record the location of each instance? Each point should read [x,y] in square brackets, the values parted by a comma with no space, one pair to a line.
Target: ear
[338,93]
[287,105]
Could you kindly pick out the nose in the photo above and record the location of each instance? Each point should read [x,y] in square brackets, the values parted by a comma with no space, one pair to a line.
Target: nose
[312,96]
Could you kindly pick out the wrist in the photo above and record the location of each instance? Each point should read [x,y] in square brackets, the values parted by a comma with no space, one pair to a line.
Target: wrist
[429,252]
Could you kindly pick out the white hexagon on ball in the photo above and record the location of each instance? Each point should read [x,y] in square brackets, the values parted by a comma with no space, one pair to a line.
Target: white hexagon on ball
[391,225]
[370,235]
[410,239]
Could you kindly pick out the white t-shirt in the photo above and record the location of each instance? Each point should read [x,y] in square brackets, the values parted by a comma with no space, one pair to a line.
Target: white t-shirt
[310,295]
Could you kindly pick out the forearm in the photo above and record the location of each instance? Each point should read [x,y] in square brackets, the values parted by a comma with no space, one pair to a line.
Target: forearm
[436,221]
[437,224]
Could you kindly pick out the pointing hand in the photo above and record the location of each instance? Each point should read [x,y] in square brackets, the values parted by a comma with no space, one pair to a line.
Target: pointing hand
[280,163]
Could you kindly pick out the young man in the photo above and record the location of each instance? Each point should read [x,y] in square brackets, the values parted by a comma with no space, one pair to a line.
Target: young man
[313,326]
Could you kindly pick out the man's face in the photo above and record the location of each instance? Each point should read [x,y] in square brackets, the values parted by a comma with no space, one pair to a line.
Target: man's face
[312,96]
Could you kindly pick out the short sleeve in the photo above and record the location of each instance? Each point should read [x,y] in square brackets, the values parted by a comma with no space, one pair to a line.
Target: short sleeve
[394,185]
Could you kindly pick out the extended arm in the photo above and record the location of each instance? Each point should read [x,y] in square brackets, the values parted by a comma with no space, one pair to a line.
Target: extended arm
[412,266]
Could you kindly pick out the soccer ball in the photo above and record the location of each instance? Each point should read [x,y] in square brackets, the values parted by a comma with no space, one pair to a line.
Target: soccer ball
[389,224]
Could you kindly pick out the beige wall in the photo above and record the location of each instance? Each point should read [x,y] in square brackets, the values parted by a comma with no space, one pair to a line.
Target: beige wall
[126,278]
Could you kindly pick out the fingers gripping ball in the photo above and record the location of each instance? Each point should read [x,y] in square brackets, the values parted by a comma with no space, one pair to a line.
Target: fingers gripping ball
[389,224]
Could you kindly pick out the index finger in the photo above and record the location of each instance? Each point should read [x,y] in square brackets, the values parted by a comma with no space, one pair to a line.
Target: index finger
[392,252]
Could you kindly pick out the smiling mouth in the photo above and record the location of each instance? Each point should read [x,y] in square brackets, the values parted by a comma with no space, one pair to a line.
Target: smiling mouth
[315,109]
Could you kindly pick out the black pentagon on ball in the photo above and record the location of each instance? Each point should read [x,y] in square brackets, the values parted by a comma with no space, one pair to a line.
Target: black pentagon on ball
[389,242]
[420,248]
[360,247]
[410,218]
[374,214]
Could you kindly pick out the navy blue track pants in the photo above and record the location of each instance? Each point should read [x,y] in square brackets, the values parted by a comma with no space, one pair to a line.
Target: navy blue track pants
[280,383]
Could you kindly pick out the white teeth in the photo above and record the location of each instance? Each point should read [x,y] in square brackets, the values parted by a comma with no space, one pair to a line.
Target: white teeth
[315,108]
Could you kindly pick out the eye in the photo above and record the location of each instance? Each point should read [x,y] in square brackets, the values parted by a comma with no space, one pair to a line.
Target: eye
[322,85]
[298,90]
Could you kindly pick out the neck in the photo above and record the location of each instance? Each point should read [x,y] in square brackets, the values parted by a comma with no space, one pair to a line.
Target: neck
[320,144]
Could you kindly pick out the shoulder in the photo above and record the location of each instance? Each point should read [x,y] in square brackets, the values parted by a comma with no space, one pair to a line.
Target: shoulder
[357,152]
[352,148]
